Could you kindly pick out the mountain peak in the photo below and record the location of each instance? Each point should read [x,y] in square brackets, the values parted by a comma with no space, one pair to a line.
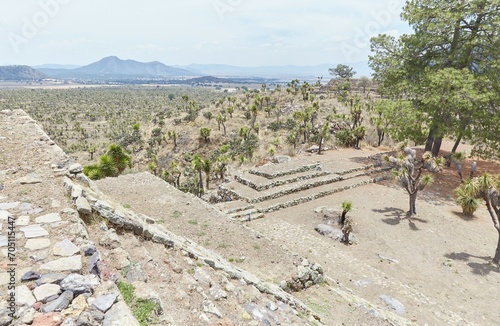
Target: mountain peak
[20,73]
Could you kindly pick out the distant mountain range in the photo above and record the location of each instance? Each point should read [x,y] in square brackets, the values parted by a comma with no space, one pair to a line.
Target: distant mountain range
[19,73]
[115,69]
[280,72]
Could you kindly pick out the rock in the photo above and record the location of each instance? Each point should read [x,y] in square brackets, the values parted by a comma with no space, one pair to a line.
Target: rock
[23,220]
[324,229]
[50,319]
[65,248]
[119,258]
[136,273]
[69,322]
[80,283]
[26,315]
[281,159]
[209,307]
[29,180]
[104,302]
[67,264]
[313,149]
[48,218]
[90,318]
[89,249]
[34,231]
[60,303]
[75,168]
[145,292]
[93,263]
[119,315]
[28,209]
[30,276]
[110,239]
[202,277]
[4,215]
[271,306]
[24,296]
[76,192]
[393,304]
[259,314]
[217,292]
[7,206]
[77,306]
[79,230]
[45,291]
[50,278]
[83,206]
[319,209]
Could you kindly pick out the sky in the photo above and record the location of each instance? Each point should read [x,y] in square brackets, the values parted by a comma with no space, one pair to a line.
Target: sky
[181,32]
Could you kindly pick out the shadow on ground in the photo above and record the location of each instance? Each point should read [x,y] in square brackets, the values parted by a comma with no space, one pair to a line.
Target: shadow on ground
[477,268]
[397,215]
[464,216]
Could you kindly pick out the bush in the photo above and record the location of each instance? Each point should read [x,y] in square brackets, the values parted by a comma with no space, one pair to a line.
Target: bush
[345,137]
[275,126]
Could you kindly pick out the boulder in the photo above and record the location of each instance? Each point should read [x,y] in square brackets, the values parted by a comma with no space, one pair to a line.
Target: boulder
[83,206]
[80,283]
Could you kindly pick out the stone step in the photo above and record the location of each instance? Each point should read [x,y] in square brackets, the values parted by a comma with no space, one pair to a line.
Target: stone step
[272,171]
[316,192]
[233,206]
[260,183]
[244,214]
[253,196]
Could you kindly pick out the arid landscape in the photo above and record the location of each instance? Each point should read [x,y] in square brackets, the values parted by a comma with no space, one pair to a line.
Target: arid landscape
[432,268]
[250,163]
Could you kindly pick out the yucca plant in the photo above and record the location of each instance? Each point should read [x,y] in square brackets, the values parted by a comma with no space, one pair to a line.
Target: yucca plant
[468,203]
[346,208]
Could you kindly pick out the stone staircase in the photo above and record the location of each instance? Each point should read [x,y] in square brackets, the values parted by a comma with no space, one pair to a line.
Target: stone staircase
[277,186]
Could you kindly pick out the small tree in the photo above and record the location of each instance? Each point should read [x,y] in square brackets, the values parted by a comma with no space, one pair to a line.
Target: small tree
[172,134]
[197,164]
[345,221]
[205,133]
[342,71]
[322,134]
[364,82]
[409,172]
[486,187]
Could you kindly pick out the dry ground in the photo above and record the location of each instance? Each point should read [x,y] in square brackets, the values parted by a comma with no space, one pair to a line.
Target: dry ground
[436,264]
[441,270]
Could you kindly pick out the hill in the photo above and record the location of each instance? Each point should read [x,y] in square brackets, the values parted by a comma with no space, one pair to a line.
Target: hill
[113,67]
[20,73]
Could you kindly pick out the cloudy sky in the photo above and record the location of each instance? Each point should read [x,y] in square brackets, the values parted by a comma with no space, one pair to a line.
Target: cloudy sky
[237,32]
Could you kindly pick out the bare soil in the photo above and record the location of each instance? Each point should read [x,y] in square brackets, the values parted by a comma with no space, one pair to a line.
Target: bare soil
[436,264]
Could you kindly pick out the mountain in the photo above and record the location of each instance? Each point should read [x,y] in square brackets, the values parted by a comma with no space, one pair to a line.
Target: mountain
[289,71]
[56,66]
[20,73]
[116,68]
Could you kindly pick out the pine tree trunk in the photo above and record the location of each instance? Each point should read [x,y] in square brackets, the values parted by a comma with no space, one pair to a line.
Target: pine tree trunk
[430,140]
[436,147]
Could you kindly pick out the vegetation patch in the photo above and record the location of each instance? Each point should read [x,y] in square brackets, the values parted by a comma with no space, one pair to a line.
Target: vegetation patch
[143,310]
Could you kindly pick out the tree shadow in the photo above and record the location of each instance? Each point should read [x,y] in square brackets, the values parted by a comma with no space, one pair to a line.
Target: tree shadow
[477,268]
[396,215]
[464,216]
